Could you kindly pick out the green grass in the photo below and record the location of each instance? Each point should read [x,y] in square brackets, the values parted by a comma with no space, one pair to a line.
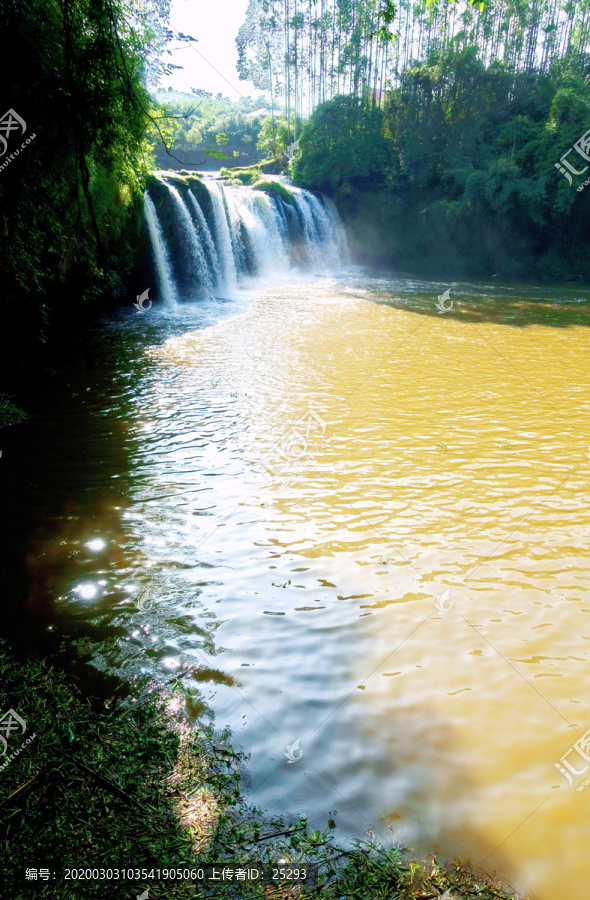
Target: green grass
[274,187]
[244,175]
[9,413]
[103,787]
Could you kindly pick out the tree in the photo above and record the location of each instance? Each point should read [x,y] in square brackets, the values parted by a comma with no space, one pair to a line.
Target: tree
[71,203]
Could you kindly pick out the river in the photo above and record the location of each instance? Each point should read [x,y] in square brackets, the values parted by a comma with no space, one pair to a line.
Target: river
[364,521]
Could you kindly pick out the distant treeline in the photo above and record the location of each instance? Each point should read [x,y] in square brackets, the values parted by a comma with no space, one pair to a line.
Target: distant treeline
[199,118]
[310,51]
[465,169]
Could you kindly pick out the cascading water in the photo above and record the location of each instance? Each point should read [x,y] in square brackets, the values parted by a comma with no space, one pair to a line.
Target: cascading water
[310,231]
[207,236]
[198,261]
[209,245]
[336,229]
[257,214]
[163,267]
[327,236]
[221,225]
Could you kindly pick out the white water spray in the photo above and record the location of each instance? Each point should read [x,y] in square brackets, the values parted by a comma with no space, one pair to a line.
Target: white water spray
[222,235]
[193,241]
[242,231]
[161,257]
[208,240]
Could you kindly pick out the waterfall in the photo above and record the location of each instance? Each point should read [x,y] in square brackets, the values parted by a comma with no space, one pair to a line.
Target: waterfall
[259,218]
[229,232]
[209,246]
[222,234]
[163,268]
[309,228]
[337,230]
[199,268]
[328,237]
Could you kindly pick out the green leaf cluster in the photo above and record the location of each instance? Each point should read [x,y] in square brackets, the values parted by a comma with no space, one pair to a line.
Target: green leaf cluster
[71,200]
[458,168]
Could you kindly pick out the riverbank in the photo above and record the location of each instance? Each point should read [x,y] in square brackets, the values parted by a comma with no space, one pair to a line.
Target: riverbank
[93,785]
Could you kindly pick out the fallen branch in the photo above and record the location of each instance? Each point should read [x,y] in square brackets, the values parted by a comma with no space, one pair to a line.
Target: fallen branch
[27,784]
[106,782]
[265,837]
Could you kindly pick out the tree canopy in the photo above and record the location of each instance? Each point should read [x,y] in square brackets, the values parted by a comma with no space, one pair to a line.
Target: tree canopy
[462,149]
[310,51]
[71,200]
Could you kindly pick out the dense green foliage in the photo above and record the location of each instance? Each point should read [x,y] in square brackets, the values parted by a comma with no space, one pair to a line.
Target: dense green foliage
[343,149]
[71,201]
[243,175]
[201,118]
[457,168]
[275,137]
[274,187]
[9,413]
[310,51]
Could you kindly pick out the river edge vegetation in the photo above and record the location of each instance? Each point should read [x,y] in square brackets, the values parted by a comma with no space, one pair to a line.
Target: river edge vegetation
[464,137]
[127,784]
[71,201]
[436,127]
[454,174]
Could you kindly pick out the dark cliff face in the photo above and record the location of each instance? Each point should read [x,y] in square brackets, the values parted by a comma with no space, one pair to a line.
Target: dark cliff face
[369,231]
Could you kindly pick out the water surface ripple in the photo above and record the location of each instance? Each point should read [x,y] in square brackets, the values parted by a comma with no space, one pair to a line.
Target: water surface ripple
[453,458]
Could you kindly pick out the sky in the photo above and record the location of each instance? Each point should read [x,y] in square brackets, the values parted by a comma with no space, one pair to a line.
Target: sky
[211,63]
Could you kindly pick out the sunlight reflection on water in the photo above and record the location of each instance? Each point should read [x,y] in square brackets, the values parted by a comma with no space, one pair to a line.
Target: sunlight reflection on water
[454,459]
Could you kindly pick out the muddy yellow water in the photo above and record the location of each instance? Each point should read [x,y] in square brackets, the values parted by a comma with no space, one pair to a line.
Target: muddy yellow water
[366,522]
